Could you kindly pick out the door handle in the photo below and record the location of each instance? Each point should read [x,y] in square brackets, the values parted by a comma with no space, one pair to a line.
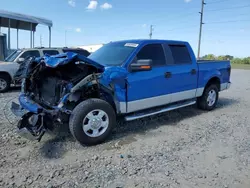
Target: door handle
[168,74]
[193,71]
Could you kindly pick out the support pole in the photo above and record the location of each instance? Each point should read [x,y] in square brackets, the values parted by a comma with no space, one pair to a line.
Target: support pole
[30,35]
[9,36]
[151,31]
[50,37]
[17,38]
[33,39]
[17,34]
[201,24]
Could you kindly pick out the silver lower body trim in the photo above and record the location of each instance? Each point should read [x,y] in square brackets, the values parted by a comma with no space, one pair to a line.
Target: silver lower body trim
[166,109]
[225,86]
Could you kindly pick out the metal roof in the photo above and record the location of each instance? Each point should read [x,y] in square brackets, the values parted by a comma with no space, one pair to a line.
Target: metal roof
[22,21]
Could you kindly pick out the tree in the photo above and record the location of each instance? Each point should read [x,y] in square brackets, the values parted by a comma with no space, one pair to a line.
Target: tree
[245,60]
[221,57]
[209,57]
[237,61]
[229,57]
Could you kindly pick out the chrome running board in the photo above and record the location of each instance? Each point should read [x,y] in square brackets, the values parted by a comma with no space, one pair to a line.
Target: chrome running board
[158,111]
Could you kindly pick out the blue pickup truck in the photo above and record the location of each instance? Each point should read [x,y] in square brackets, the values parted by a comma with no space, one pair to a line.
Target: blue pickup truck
[131,79]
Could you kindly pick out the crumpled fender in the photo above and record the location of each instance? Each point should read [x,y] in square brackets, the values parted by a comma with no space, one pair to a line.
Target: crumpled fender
[117,77]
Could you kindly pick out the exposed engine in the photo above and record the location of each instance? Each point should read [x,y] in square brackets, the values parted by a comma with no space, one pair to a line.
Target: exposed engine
[46,85]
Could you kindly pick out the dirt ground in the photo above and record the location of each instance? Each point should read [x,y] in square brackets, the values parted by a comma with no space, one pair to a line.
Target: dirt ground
[183,148]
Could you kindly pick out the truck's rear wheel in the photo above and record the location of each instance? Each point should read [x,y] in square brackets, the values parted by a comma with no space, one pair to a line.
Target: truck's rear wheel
[4,83]
[209,99]
[92,121]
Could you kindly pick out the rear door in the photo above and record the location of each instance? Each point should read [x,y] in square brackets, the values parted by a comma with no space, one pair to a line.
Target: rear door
[182,72]
[148,89]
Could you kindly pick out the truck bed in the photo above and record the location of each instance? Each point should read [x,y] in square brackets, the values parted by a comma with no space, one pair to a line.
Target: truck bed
[212,61]
[208,68]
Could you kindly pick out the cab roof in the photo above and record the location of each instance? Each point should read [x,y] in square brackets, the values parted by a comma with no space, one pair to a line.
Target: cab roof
[141,41]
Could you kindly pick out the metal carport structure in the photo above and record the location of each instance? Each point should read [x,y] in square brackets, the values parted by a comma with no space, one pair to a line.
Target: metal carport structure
[18,21]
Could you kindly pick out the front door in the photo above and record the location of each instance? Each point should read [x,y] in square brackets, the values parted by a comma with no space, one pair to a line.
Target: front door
[148,88]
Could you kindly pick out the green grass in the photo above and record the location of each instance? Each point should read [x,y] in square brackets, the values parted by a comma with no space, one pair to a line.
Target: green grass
[240,66]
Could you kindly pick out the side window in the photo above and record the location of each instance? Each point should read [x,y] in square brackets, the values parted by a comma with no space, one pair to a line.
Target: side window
[30,54]
[50,52]
[180,54]
[154,52]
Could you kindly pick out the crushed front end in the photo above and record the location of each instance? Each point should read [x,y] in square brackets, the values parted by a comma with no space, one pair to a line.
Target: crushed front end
[51,87]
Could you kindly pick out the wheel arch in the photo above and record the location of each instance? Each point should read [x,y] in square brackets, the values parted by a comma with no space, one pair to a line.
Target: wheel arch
[5,73]
[99,92]
[214,80]
[109,97]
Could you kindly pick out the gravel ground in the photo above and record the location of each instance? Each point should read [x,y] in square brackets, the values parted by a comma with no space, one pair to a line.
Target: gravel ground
[183,148]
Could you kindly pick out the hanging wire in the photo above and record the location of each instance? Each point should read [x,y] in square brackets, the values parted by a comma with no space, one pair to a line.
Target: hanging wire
[4,108]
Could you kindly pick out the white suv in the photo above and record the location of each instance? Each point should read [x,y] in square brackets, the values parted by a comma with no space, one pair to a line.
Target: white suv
[9,67]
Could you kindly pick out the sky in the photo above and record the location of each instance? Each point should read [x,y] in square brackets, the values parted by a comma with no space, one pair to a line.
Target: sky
[226,28]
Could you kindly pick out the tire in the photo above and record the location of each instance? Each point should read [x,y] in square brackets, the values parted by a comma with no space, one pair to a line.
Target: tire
[204,102]
[92,121]
[4,83]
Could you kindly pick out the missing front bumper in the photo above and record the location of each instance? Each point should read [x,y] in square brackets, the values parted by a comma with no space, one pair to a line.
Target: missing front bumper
[31,126]
[25,133]
[17,110]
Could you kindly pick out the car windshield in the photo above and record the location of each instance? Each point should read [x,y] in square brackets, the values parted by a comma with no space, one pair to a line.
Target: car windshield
[13,56]
[113,54]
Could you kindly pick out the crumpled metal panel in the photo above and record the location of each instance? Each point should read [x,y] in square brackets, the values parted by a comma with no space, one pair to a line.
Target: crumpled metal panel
[28,104]
[115,76]
[65,58]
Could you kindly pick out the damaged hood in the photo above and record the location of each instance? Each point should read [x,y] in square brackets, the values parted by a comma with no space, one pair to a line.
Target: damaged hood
[110,74]
[65,58]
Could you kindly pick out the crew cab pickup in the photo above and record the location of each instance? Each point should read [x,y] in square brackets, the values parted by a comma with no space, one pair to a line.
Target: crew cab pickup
[11,64]
[130,79]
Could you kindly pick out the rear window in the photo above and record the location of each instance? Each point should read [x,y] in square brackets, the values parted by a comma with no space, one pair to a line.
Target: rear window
[180,54]
[78,51]
[50,52]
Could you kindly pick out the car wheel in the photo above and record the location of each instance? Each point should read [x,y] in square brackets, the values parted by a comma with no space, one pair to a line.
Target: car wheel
[209,99]
[92,121]
[4,83]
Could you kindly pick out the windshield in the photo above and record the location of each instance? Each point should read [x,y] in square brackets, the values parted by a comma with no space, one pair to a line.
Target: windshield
[13,56]
[113,54]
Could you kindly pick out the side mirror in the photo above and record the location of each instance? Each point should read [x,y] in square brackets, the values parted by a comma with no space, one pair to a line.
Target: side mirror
[141,65]
[21,59]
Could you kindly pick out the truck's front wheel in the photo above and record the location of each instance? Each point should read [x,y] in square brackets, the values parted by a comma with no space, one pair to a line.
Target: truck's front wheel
[208,100]
[92,121]
[4,83]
